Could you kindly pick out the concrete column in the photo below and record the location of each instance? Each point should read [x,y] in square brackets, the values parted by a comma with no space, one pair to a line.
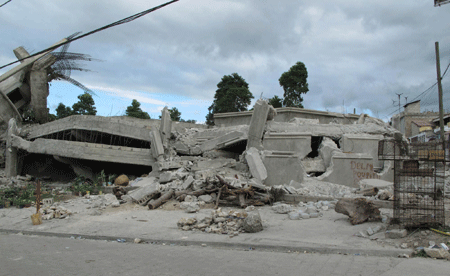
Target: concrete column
[39,93]
[11,158]
[156,145]
[166,126]
[257,124]
[21,53]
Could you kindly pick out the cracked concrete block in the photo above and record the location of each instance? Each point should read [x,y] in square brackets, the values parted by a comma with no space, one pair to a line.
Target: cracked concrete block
[156,144]
[375,183]
[213,164]
[11,157]
[204,174]
[170,165]
[257,124]
[349,168]
[254,161]
[396,234]
[281,169]
[326,150]
[166,126]
[297,142]
[166,177]
[313,165]
[272,113]
[205,198]
[222,141]
[195,150]
[190,207]
[438,253]
[362,143]
[188,182]
[181,148]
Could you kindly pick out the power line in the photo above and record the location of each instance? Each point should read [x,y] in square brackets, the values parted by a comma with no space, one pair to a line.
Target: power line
[122,21]
[5,3]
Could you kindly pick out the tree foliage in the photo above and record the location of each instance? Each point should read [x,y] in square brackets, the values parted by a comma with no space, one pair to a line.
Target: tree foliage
[294,85]
[63,111]
[175,114]
[134,110]
[85,105]
[276,101]
[232,95]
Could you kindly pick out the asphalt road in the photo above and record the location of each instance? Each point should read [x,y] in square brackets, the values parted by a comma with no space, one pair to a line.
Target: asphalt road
[33,255]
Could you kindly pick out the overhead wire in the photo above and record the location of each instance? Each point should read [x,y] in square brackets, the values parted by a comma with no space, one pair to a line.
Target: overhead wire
[5,3]
[119,22]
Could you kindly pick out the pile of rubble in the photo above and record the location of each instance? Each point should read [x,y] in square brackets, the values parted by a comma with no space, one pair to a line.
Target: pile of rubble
[304,210]
[52,212]
[93,203]
[230,223]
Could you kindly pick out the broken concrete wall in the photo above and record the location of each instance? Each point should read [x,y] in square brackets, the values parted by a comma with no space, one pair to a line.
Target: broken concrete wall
[362,143]
[349,168]
[300,143]
[285,114]
[281,169]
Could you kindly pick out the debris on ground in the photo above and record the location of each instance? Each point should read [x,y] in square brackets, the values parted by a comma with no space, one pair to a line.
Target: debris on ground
[358,210]
[231,223]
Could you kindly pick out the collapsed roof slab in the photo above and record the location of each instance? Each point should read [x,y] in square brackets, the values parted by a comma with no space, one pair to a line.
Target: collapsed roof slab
[135,129]
[331,130]
[87,151]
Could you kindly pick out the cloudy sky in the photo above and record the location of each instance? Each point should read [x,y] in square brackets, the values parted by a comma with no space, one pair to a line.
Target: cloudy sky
[359,54]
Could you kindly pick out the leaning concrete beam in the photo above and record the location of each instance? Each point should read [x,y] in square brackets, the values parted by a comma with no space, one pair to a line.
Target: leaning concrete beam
[27,62]
[89,151]
[157,147]
[39,93]
[257,124]
[166,126]
[21,53]
[256,165]
[11,162]
[222,141]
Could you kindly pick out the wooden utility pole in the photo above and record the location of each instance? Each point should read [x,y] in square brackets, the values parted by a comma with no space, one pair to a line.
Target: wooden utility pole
[441,105]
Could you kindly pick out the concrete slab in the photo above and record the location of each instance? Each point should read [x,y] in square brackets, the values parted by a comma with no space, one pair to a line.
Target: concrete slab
[222,141]
[281,169]
[297,142]
[257,124]
[375,183]
[362,143]
[349,168]
[89,151]
[255,164]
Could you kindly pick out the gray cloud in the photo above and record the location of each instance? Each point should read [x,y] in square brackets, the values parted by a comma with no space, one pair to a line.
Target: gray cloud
[361,53]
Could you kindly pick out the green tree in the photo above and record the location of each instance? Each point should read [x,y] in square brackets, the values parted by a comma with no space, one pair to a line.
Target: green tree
[175,114]
[134,110]
[63,111]
[232,95]
[294,85]
[276,102]
[85,105]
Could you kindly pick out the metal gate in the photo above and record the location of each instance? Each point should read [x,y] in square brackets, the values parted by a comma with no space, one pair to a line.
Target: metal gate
[419,174]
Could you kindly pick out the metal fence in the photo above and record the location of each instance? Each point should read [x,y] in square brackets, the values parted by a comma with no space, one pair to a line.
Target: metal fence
[419,174]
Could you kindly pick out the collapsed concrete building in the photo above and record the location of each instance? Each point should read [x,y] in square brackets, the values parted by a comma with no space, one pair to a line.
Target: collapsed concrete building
[268,146]
[265,152]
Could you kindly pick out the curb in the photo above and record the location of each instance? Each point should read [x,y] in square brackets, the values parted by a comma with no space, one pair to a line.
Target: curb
[225,245]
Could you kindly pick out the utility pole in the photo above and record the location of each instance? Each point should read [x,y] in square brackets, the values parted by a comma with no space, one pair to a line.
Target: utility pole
[441,105]
[399,101]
